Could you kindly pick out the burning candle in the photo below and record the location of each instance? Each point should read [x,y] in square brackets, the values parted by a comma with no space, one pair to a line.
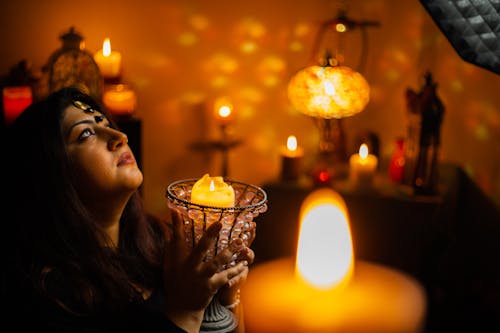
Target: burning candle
[212,191]
[327,291]
[120,99]
[109,61]
[15,100]
[291,159]
[362,167]
[223,111]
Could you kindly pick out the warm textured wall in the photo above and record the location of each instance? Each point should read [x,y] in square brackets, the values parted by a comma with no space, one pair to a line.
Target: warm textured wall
[180,55]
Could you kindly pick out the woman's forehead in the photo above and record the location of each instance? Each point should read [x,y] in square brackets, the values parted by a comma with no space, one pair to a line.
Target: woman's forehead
[73,114]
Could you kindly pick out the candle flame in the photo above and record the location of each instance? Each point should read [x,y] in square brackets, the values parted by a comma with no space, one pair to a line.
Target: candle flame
[325,257]
[212,186]
[363,150]
[106,47]
[291,143]
[224,111]
[340,27]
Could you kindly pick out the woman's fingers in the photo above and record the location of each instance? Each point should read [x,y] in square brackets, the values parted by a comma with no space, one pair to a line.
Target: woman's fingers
[234,280]
[247,255]
[231,275]
[206,242]
[179,236]
[224,258]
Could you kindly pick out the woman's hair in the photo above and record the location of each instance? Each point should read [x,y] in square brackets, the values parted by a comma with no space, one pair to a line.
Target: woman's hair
[51,239]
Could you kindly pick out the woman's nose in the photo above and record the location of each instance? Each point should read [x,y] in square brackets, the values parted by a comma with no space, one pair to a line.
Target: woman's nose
[117,139]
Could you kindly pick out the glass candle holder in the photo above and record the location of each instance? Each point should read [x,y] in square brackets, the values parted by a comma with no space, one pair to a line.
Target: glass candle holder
[250,201]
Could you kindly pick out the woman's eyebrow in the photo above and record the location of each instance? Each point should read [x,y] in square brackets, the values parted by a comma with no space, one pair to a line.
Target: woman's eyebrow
[96,120]
[84,121]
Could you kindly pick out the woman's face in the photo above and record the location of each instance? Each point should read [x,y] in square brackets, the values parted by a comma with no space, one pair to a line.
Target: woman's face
[104,164]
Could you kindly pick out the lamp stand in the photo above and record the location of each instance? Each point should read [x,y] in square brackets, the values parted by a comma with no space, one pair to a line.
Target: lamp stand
[222,145]
[331,162]
[332,139]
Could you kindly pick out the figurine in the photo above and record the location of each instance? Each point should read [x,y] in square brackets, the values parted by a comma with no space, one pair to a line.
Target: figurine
[429,110]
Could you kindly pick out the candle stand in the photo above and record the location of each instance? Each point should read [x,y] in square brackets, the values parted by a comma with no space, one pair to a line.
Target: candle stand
[223,145]
[250,201]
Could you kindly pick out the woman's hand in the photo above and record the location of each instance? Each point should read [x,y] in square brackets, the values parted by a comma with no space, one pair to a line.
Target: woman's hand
[190,282]
[229,294]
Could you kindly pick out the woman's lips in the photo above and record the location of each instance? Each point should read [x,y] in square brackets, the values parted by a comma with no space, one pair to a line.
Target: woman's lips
[126,158]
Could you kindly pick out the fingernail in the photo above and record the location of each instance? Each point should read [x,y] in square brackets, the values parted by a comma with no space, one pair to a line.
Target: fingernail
[236,245]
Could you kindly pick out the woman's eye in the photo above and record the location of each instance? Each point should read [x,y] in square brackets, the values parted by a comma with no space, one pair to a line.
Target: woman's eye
[85,134]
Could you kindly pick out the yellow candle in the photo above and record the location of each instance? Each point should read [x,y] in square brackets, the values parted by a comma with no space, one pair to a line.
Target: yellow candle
[109,61]
[120,99]
[212,191]
[362,167]
[327,291]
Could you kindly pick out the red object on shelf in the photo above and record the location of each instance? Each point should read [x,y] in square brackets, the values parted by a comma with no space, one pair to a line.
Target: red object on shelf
[397,164]
[15,100]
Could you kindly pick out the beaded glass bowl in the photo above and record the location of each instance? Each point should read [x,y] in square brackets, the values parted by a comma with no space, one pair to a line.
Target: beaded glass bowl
[250,201]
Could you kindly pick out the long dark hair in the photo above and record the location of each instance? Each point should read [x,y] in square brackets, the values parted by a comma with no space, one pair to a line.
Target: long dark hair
[52,241]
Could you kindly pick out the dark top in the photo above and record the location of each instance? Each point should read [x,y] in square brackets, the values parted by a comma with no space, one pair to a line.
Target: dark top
[27,310]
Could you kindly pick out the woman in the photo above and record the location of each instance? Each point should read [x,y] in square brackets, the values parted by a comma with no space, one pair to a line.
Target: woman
[81,255]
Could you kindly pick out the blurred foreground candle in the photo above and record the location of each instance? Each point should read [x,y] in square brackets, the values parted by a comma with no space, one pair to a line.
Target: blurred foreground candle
[326,290]
[109,61]
[291,159]
[15,100]
[363,167]
[120,99]
[212,191]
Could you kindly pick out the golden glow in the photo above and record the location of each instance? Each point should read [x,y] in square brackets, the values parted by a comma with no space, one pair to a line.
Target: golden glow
[199,22]
[219,81]
[270,80]
[221,62]
[296,46]
[328,92]
[187,38]
[325,258]
[106,47]
[274,64]
[248,47]
[291,143]
[363,150]
[252,28]
[302,29]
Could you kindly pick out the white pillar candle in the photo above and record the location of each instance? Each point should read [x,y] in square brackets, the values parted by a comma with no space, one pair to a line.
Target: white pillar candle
[109,61]
[362,168]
